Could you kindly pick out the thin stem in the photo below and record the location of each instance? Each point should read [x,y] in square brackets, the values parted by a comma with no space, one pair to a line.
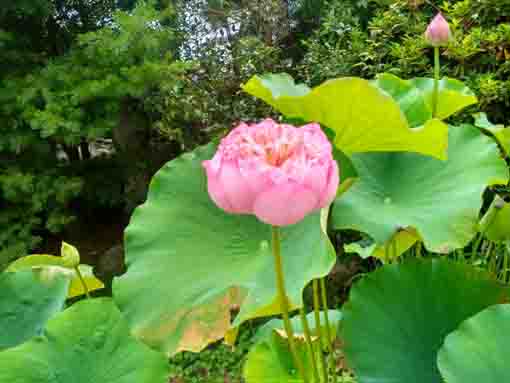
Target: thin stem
[476,246]
[505,265]
[316,310]
[311,353]
[80,276]
[284,304]
[435,99]
[328,328]
[417,250]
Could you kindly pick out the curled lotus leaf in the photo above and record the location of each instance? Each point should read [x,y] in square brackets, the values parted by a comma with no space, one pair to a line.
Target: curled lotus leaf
[375,124]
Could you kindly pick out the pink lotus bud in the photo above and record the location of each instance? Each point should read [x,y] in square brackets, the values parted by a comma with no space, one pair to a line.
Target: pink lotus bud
[438,31]
[277,172]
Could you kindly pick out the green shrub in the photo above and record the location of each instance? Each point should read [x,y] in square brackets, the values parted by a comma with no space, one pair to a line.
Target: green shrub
[392,41]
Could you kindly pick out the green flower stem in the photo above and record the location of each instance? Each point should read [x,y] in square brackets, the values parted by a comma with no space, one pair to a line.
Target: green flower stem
[308,338]
[418,250]
[284,304]
[80,276]
[435,95]
[316,309]
[328,329]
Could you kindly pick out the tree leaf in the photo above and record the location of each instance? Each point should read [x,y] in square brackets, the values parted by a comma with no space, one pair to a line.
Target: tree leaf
[440,200]
[198,262]
[478,350]
[364,118]
[28,299]
[397,317]
[89,342]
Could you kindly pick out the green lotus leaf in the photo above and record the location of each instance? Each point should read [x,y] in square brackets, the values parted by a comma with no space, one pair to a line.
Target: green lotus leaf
[28,299]
[499,132]
[364,118]
[89,342]
[415,96]
[35,260]
[70,255]
[76,287]
[270,360]
[189,263]
[348,173]
[410,98]
[334,318]
[398,316]
[363,248]
[478,350]
[495,224]
[58,264]
[453,95]
[401,241]
[439,199]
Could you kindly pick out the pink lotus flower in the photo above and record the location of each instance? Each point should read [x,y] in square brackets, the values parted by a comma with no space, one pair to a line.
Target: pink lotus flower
[438,31]
[277,172]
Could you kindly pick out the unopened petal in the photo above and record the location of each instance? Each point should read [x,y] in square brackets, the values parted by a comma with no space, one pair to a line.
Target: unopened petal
[331,189]
[236,189]
[216,190]
[285,204]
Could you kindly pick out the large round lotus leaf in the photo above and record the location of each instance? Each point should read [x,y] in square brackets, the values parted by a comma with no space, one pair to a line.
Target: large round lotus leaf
[478,350]
[27,300]
[364,118]
[440,199]
[88,342]
[415,96]
[397,317]
[188,262]
[270,360]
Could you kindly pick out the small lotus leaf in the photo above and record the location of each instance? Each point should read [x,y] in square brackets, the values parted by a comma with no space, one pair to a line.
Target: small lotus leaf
[270,360]
[58,263]
[334,318]
[495,224]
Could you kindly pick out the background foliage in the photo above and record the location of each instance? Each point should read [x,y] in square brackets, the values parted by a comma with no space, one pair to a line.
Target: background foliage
[96,95]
